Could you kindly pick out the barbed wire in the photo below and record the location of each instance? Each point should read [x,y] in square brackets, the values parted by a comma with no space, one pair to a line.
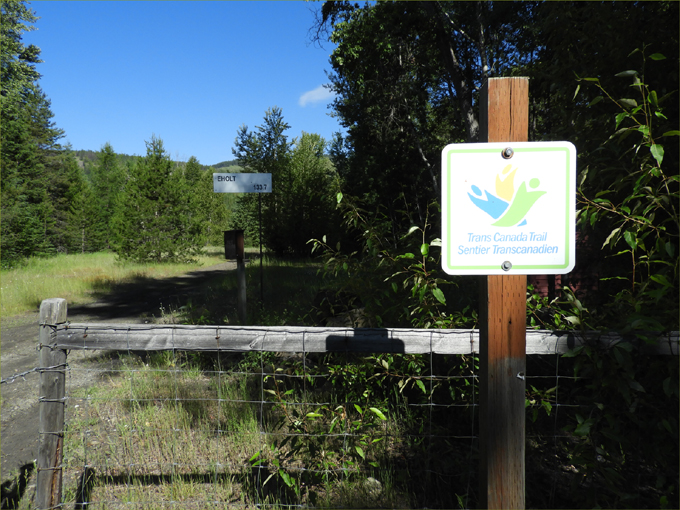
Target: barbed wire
[23,375]
[38,370]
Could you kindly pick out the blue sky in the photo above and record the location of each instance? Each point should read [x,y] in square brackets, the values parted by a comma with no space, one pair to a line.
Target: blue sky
[188,72]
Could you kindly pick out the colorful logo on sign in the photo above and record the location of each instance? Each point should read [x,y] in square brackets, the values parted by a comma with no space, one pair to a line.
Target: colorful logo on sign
[507,206]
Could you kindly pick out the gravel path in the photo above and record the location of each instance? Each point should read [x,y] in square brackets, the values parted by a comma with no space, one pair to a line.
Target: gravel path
[136,302]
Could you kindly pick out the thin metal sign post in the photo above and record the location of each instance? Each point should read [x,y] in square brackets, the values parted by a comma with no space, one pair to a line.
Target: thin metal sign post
[246,183]
[504,117]
[261,271]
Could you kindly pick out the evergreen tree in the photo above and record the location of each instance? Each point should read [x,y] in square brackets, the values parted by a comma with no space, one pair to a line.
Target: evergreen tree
[301,205]
[267,150]
[82,211]
[107,181]
[309,210]
[32,182]
[211,208]
[154,220]
[192,171]
[17,61]
[208,206]
[35,168]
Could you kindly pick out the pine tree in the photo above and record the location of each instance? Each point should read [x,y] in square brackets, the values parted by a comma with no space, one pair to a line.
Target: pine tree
[301,205]
[211,208]
[208,206]
[154,220]
[192,171]
[31,180]
[34,166]
[265,151]
[107,182]
[82,211]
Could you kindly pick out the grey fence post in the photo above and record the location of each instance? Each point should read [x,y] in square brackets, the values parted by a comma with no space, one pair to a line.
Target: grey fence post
[52,403]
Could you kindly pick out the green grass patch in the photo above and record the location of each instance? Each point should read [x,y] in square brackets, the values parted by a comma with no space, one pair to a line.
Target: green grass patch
[280,292]
[76,277]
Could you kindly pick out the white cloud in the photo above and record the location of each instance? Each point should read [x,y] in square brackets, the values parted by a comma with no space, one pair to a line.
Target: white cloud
[318,95]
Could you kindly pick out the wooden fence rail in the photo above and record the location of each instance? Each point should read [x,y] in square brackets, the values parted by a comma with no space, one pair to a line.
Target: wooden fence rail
[57,336]
[136,337]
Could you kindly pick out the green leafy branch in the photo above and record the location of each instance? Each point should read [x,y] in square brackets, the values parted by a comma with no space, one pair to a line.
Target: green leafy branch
[638,205]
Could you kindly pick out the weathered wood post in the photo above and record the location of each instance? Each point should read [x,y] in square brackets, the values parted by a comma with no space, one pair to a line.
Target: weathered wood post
[504,117]
[52,403]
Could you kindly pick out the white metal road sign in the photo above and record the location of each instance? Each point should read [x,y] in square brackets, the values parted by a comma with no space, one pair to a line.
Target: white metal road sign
[242,183]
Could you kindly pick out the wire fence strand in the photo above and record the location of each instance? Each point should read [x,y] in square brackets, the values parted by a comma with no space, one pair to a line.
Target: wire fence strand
[185,427]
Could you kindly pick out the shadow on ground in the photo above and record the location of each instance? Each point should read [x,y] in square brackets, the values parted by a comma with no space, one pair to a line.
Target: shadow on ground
[151,297]
[14,488]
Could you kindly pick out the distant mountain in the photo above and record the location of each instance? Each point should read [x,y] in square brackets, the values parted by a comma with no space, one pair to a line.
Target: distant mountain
[87,158]
[224,164]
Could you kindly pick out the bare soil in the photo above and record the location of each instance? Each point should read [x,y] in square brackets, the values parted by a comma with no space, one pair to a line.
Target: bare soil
[140,301]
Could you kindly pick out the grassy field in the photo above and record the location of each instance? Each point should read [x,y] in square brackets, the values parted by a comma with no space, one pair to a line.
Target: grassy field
[185,430]
[75,277]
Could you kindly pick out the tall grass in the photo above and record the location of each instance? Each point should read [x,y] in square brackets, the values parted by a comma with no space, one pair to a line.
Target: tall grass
[157,434]
[75,277]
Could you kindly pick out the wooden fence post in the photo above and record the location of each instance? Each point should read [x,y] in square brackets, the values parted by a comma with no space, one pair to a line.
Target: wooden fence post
[504,117]
[52,403]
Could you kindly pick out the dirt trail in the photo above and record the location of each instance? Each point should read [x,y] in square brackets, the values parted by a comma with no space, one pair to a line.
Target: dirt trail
[136,302]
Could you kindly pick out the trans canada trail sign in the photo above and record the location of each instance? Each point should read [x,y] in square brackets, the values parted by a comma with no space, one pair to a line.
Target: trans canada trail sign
[508,208]
[242,183]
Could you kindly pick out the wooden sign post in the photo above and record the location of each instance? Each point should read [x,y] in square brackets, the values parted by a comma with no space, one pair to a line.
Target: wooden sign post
[504,117]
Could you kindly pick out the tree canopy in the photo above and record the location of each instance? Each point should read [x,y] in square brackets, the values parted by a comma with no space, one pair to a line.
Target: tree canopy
[38,174]
[407,77]
[300,206]
[154,220]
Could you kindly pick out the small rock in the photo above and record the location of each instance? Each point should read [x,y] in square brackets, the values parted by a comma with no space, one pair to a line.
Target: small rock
[372,487]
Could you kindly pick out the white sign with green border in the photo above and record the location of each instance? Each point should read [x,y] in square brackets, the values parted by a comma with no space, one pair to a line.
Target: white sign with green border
[508,208]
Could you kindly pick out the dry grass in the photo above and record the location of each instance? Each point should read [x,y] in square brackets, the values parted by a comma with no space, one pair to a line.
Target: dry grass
[158,434]
[75,277]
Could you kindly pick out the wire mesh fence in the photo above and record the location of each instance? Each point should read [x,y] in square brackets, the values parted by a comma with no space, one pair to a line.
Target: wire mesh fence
[264,420]
[177,429]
